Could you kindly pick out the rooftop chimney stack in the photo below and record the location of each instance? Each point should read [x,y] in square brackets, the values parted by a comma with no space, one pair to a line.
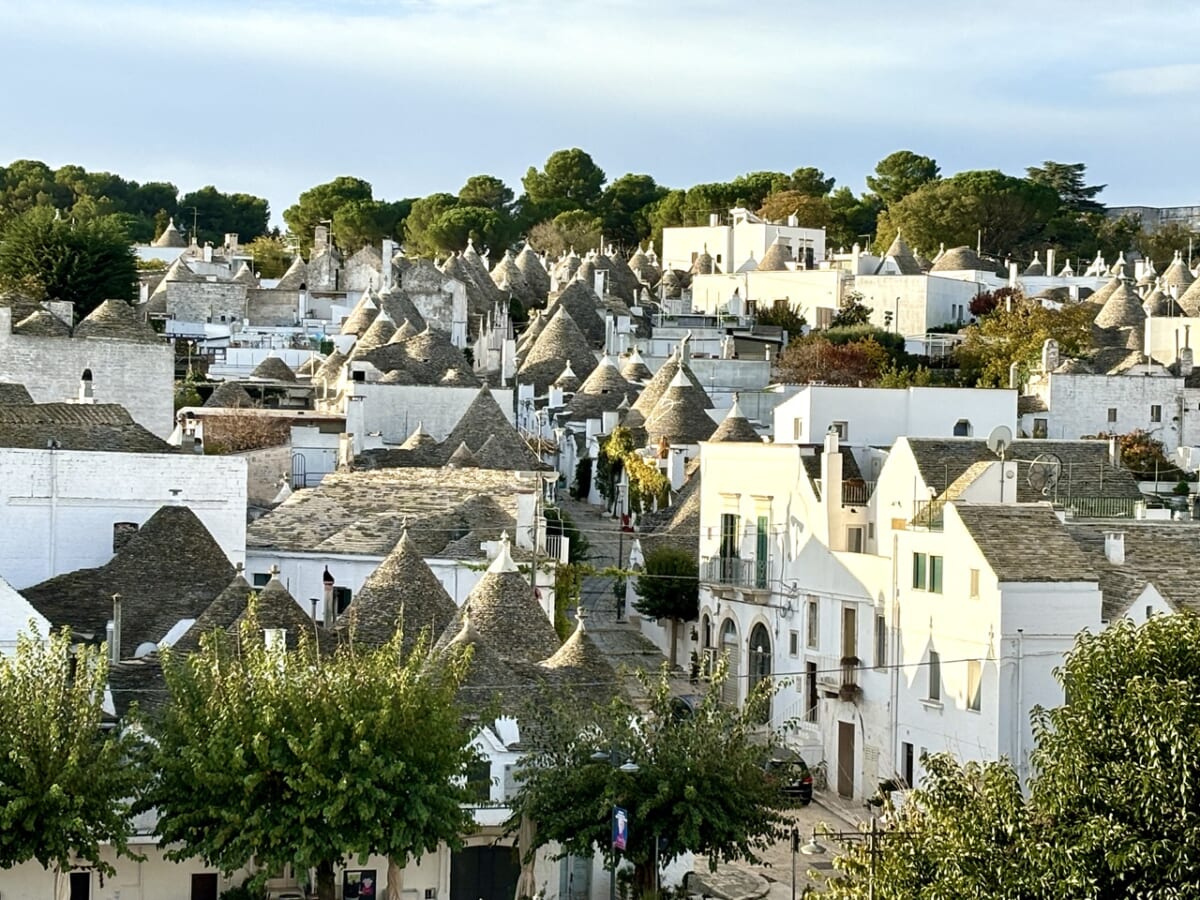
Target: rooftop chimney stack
[114,650]
[1114,547]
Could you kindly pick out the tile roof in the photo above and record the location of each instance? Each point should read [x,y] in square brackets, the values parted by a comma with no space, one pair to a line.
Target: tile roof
[489,679]
[76,426]
[172,569]
[274,369]
[170,236]
[634,368]
[1164,554]
[735,427]
[506,450]
[678,526]
[225,609]
[1189,300]
[1086,471]
[662,379]
[397,304]
[117,320]
[361,316]
[1122,309]
[364,511]
[535,273]
[229,395]
[42,323]
[21,304]
[462,458]
[426,357]
[958,259]
[295,276]
[581,668]
[376,336]
[679,415]
[774,260]
[403,587]
[899,253]
[1177,275]
[602,391]
[1025,542]
[583,304]
[13,394]
[560,342]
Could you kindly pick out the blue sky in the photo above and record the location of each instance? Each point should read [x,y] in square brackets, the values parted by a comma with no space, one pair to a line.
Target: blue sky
[417,95]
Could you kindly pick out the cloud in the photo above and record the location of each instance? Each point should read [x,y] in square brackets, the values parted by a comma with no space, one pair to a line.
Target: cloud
[1155,81]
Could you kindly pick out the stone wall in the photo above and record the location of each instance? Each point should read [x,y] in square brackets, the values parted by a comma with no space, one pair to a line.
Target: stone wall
[272,308]
[140,377]
[208,301]
[440,299]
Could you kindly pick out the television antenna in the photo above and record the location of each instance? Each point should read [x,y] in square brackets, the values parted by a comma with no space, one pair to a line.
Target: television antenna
[1043,473]
[999,440]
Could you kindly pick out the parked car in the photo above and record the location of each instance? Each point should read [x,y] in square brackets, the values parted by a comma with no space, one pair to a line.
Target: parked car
[789,770]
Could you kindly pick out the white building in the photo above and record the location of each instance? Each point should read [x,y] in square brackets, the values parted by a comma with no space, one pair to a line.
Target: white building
[744,239]
[880,416]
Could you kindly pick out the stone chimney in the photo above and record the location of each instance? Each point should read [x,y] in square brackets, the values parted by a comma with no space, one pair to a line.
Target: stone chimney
[1014,376]
[831,487]
[114,648]
[1050,262]
[1186,362]
[1114,547]
[320,239]
[327,583]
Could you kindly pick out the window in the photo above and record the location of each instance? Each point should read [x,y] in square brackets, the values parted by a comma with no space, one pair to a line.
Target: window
[854,539]
[261,579]
[479,780]
[813,623]
[341,599]
[962,428]
[797,429]
[761,552]
[920,561]
[1155,413]
[935,675]
[1112,414]
[906,763]
[849,633]
[81,886]
[935,574]
[880,641]
[842,429]
[359,375]
[122,533]
[793,643]
[974,584]
[974,683]
[870,531]
[1040,429]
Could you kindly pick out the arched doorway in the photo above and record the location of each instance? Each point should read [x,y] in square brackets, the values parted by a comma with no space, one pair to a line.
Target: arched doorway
[733,653]
[760,663]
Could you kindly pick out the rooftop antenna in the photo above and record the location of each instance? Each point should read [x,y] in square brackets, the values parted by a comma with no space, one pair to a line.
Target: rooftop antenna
[999,440]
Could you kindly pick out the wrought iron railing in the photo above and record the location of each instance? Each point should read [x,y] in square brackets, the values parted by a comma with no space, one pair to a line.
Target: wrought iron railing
[733,571]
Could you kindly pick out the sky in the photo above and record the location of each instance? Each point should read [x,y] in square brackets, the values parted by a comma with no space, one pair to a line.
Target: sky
[415,96]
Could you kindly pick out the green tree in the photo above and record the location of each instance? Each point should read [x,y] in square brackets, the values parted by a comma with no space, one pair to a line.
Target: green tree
[852,220]
[1009,213]
[320,204]
[669,588]
[624,207]
[488,192]
[816,358]
[810,181]
[420,228]
[359,223]
[1007,336]
[308,758]
[1141,453]
[216,214]
[85,262]
[1162,244]
[901,173]
[810,211]
[66,785]
[574,228]
[699,785]
[271,256]
[851,311]
[569,180]
[785,316]
[1067,180]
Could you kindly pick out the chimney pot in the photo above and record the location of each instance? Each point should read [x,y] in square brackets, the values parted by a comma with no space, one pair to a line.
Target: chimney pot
[1114,547]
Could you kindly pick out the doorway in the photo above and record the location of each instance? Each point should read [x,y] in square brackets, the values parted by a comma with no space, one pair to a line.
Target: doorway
[81,885]
[484,873]
[204,886]
[845,759]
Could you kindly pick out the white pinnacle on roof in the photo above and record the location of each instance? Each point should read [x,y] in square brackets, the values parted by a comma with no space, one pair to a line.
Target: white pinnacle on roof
[503,561]
[680,380]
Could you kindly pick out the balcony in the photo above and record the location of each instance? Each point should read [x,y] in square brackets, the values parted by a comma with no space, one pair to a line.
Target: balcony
[928,514]
[730,571]
[840,677]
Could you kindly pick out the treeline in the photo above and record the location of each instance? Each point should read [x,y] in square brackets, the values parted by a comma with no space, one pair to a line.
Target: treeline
[142,210]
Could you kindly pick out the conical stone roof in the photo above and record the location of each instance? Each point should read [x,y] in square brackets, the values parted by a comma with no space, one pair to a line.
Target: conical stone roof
[580,667]
[361,316]
[583,305]
[179,271]
[735,427]
[404,332]
[116,320]
[170,236]
[602,391]
[503,611]
[635,369]
[462,458]
[678,416]
[568,381]
[959,259]
[1177,275]
[506,451]
[1189,300]
[376,336]
[227,607]
[482,418]
[1122,309]
[559,343]
[1100,296]
[400,308]
[229,395]
[274,369]
[662,379]
[42,323]
[403,589]
[507,276]
[1035,268]
[775,259]
[275,607]
[331,368]
[1159,304]
[244,276]
[901,255]
[489,679]
[536,276]
[295,277]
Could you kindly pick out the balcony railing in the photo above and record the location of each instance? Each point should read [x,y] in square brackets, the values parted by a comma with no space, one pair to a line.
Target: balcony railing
[857,493]
[731,571]
[928,514]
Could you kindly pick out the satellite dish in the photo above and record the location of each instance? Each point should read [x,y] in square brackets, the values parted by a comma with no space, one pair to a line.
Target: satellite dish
[1043,473]
[999,440]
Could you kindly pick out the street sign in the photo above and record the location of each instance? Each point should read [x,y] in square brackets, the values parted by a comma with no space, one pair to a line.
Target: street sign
[620,828]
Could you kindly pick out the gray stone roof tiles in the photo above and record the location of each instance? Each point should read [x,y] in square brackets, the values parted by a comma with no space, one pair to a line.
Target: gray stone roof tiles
[229,394]
[116,320]
[42,323]
[1024,543]
[560,342]
[13,394]
[76,426]
[273,369]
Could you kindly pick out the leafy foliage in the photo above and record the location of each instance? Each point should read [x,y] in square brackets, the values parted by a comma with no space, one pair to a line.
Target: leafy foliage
[816,358]
[569,180]
[901,173]
[785,316]
[85,262]
[215,214]
[65,783]
[1141,453]
[572,229]
[699,785]
[1006,336]
[851,311]
[271,256]
[986,302]
[669,586]
[293,756]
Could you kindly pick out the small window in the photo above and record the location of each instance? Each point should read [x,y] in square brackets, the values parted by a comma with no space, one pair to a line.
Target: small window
[906,763]
[123,532]
[261,579]
[359,375]
[479,780]
[1112,414]
[935,574]
[962,428]
[854,539]
[974,681]
[793,643]
[870,531]
[880,641]
[974,584]
[1149,611]
[842,429]
[935,675]
[920,561]
[797,429]
[813,624]
[341,599]
[1040,429]
[1156,413]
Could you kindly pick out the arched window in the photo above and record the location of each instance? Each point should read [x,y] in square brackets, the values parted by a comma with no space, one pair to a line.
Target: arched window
[760,662]
[962,428]
[705,632]
[85,385]
[733,654]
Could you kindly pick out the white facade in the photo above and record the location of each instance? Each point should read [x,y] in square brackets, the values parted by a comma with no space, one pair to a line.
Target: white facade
[58,507]
[733,246]
[16,615]
[138,376]
[393,411]
[815,293]
[879,416]
[912,304]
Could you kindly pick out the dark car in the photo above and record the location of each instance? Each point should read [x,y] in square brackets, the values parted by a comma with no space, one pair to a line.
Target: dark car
[789,770]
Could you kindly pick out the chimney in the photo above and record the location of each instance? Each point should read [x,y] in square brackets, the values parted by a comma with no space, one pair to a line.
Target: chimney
[1014,376]
[556,398]
[1186,363]
[610,420]
[714,220]
[231,243]
[1050,262]
[328,582]
[114,648]
[320,239]
[1114,547]
[831,483]
[389,250]
[1114,453]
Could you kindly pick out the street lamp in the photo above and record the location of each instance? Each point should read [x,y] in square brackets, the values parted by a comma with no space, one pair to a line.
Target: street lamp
[872,837]
[629,767]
